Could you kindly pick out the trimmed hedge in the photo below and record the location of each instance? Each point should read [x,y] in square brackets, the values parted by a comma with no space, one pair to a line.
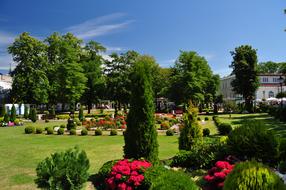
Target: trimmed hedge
[97,132]
[61,131]
[39,130]
[29,129]
[50,131]
[113,132]
[72,132]
[224,128]
[84,132]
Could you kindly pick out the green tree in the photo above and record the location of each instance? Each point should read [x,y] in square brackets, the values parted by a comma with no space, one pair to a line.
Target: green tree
[161,81]
[244,67]
[268,67]
[3,110]
[80,114]
[117,78]
[13,113]
[26,112]
[189,78]
[6,118]
[141,135]
[33,115]
[30,83]
[92,65]
[192,132]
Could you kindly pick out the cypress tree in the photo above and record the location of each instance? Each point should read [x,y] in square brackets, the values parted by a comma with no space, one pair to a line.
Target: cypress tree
[141,136]
[33,115]
[13,113]
[6,118]
[80,114]
[192,131]
[3,110]
[26,112]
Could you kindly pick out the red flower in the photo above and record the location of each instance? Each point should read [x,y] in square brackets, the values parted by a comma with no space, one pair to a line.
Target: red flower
[219,175]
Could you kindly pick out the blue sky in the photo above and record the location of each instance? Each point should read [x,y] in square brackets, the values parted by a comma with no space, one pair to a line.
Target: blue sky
[160,28]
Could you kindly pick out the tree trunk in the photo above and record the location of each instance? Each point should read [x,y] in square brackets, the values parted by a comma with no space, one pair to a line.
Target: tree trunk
[89,107]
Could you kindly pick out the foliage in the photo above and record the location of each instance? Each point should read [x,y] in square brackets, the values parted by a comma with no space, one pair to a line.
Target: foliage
[6,118]
[170,132]
[230,106]
[202,156]
[33,115]
[224,128]
[3,110]
[217,174]
[13,113]
[160,178]
[30,82]
[72,132]
[97,132]
[63,116]
[281,95]
[141,136]
[244,67]
[50,131]
[103,173]
[253,140]
[39,130]
[165,125]
[192,79]
[71,124]
[192,132]
[80,114]
[29,129]
[206,132]
[126,174]
[26,112]
[84,132]
[206,118]
[113,132]
[63,170]
[63,126]
[269,67]
[61,131]
[252,175]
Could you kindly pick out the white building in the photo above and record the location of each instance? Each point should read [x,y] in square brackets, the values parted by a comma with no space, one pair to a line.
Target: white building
[269,86]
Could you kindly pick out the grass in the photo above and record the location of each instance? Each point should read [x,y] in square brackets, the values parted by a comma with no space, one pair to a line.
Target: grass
[20,153]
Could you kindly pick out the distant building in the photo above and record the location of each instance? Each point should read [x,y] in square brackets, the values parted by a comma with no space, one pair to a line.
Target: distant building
[5,87]
[269,86]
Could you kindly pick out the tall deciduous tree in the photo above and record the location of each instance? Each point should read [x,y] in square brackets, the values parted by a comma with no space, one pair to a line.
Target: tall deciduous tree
[92,65]
[30,83]
[190,77]
[244,67]
[141,135]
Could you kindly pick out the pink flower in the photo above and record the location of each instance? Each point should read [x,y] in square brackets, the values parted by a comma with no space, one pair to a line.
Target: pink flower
[219,175]
[118,176]
[122,186]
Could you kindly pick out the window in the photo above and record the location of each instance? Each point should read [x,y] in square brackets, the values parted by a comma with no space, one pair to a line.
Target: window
[276,80]
[264,79]
[271,94]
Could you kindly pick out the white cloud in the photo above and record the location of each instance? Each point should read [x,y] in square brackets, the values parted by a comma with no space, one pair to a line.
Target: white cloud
[6,38]
[99,26]
[109,48]
[168,62]
[223,71]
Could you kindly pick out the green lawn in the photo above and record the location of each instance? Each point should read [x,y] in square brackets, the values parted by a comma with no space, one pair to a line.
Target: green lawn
[20,153]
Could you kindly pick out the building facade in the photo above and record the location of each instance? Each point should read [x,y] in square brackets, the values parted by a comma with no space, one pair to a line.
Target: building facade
[269,86]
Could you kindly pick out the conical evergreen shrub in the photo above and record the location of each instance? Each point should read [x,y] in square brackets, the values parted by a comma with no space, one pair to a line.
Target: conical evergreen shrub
[33,115]
[192,132]
[3,110]
[26,112]
[141,135]
[80,114]
[13,113]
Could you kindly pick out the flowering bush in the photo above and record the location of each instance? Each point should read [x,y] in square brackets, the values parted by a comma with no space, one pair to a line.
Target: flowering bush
[126,174]
[216,175]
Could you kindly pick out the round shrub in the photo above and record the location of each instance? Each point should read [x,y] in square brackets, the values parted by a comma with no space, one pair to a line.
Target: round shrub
[71,124]
[165,125]
[61,131]
[39,130]
[97,132]
[206,132]
[77,122]
[113,132]
[199,119]
[170,132]
[29,129]
[63,170]
[206,118]
[63,126]
[47,121]
[224,128]
[46,128]
[252,175]
[84,132]
[72,132]
[50,131]
[253,140]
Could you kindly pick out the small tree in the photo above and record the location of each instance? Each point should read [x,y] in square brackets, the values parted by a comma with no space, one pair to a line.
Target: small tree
[192,131]
[80,114]
[13,114]
[141,135]
[33,115]
[52,111]
[6,118]
[26,112]
[3,110]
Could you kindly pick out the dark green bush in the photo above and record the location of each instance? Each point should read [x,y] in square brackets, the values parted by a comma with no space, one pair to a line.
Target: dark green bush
[206,132]
[252,175]
[29,129]
[206,118]
[47,121]
[6,118]
[164,179]
[282,167]
[63,126]
[13,113]
[46,128]
[71,124]
[50,131]
[61,131]
[39,130]
[72,132]
[102,174]
[113,132]
[253,140]
[202,156]
[224,128]
[199,119]
[84,132]
[33,115]
[170,132]
[63,170]
[97,132]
